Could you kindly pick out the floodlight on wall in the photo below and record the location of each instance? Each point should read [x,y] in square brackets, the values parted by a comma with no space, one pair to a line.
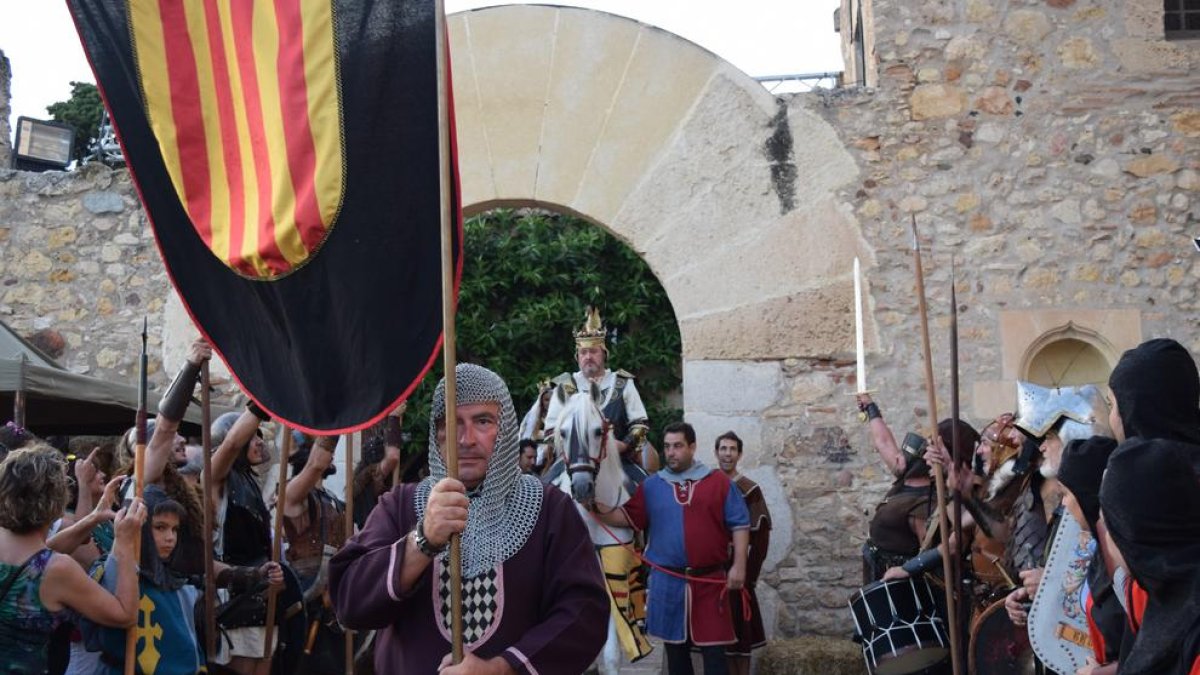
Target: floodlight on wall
[42,145]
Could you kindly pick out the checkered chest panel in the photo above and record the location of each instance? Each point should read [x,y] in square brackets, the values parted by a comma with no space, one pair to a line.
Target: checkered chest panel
[483,603]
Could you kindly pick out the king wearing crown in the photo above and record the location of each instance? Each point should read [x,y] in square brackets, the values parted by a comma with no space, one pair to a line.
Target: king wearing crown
[621,403]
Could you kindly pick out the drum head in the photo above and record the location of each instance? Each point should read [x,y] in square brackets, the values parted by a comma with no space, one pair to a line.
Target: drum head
[900,626]
[998,647]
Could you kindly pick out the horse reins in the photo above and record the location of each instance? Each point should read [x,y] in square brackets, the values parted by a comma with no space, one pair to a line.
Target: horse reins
[745,592]
[594,466]
[594,469]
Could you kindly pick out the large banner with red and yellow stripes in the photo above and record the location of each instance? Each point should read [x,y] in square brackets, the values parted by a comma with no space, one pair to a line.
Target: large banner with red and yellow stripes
[286,152]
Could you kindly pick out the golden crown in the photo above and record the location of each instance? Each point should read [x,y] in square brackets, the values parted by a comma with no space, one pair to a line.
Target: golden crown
[592,333]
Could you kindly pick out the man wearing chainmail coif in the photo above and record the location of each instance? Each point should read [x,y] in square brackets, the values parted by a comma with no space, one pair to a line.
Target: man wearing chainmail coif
[533,595]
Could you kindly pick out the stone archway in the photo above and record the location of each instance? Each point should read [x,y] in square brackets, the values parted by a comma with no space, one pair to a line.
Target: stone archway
[729,194]
[725,191]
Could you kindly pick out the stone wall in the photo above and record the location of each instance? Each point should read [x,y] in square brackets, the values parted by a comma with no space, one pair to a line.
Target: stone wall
[80,269]
[1051,146]
[5,109]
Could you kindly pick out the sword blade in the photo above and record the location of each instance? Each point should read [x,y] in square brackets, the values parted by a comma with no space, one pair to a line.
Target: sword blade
[859,343]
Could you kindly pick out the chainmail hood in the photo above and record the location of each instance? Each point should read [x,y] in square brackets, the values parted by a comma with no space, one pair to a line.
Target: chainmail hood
[505,506]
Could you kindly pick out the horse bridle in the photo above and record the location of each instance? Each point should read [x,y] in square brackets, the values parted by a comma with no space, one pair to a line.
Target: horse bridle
[593,464]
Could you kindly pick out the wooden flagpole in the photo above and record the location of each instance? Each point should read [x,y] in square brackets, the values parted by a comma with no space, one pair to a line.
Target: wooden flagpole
[277,539]
[938,474]
[349,514]
[210,586]
[139,477]
[449,355]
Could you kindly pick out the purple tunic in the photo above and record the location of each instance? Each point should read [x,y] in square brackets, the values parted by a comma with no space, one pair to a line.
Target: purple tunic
[548,611]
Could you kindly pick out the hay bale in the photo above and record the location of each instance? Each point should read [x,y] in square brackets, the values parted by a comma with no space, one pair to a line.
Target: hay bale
[812,655]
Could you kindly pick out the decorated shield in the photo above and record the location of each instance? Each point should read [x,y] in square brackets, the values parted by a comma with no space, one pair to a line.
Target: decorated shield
[1058,627]
[287,155]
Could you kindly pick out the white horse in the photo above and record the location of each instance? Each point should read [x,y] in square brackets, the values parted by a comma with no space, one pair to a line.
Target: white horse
[589,469]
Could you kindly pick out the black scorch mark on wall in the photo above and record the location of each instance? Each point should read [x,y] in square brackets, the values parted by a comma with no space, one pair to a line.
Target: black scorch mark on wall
[782,157]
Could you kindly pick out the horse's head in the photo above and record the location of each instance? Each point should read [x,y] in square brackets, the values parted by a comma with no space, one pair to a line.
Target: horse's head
[583,441]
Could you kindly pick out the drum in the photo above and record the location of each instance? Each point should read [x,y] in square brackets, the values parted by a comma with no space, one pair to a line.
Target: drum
[899,624]
[998,647]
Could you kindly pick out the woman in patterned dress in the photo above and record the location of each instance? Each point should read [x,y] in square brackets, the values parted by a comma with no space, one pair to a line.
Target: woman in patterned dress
[39,588]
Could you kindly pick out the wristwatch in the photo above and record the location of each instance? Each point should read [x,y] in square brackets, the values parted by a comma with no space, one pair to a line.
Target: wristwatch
[423,544]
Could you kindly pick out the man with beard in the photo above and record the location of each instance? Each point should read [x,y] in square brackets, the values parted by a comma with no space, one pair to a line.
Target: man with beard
[692,516]
[315,526]
[243,533]
[1056,416]
[1004,469]
[533,596]
[621,403]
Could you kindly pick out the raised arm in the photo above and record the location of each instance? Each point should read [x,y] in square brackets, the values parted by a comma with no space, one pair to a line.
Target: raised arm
[171,410]
[79,533]
[67,585]
[393,439]
[237,438]
[881,436]
[299,487]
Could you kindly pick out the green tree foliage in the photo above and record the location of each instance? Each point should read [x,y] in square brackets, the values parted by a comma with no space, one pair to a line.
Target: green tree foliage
[528,278]
[82,111]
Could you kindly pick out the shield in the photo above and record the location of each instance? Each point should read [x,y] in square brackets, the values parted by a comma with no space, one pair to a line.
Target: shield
[999,647]
[1058,627]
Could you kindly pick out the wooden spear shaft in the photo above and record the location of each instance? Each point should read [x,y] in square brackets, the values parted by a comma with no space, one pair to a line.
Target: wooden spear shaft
[210,586]
[349,514]
[938,476]
[956,455]
[277,539]
[449,357]
[139,478]
[19,407]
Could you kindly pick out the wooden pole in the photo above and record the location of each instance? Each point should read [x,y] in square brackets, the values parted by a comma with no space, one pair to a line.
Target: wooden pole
[449,356]
[139,477]
[349,514]
[277,539]
[956,455]
[19,408]
[938,475]
[210,586]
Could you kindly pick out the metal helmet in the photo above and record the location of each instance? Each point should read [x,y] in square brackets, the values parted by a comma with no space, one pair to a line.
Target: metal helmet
[1080,411]
[128,444]
[220,428]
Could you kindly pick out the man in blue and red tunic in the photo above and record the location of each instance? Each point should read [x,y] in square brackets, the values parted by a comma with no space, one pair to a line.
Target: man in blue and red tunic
[691,513]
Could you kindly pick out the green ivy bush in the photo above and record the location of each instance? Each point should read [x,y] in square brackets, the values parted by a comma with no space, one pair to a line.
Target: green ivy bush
[528,277]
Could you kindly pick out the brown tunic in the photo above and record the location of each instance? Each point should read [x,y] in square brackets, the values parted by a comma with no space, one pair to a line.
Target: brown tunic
[750,633]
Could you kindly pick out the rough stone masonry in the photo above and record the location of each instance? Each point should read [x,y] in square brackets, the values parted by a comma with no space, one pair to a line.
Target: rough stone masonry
[1051,146]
